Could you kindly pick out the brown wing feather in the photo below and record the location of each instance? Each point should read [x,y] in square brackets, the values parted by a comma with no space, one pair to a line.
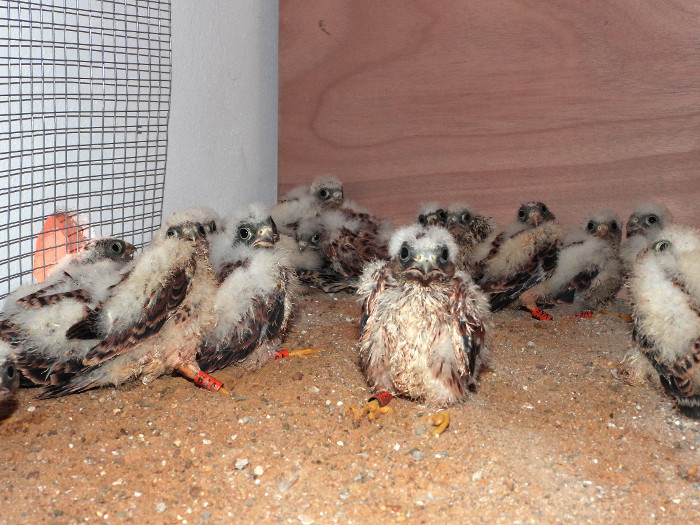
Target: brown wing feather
[470,328]
[156,311]
[504,291]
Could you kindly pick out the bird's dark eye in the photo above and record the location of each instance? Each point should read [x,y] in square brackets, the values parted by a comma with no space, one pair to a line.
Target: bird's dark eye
[404,253]
[202,231]
[652,219]
[614,226]
[116,247]
[212,226]
[172,232]
[316,238]
[465,218]
[324,193]
[544,209]
[442,215]
[10,372]
[521,213]
[662,246]
[245,233]
[422,220]
[590,226]
[444,255]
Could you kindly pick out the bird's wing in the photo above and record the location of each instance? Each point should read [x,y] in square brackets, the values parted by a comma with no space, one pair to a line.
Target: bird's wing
[267,319]
[368,304]
[505,290]
[10,332]
[579,285]
[156,310]
[351,251]
[468,324]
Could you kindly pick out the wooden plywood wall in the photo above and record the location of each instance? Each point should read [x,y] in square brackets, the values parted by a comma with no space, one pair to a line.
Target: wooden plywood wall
[579,104]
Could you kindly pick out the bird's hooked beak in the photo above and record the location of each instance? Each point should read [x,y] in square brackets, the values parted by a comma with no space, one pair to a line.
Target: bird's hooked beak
[633,227]
[337,197]
[129,250]
[424,266]
[536,217]
[193,231]
[266,236]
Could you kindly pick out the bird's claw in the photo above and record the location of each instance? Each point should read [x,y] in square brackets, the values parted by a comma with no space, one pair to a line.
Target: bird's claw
[301,352]
[625,317]
[440,420]
[305,352]
[372,409]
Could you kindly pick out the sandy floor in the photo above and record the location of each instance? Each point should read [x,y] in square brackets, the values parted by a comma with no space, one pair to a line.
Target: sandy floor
[550,437]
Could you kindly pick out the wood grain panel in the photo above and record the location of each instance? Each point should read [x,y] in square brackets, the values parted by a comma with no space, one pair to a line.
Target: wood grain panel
[579,104]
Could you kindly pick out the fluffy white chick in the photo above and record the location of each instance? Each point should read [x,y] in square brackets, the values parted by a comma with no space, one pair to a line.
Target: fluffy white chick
[645,223]
[431,214]
[254,300]
[589,269]
[665,290]
[307,201]
[518,257]
[469,229]
[154,321]
[35,317]
[423,325]
[344,245]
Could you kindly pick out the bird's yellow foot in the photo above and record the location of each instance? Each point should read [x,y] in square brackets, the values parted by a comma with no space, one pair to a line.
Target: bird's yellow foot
[375,406]
[625,317]
[302,352]
[202,379]
[440,420]
[540,314]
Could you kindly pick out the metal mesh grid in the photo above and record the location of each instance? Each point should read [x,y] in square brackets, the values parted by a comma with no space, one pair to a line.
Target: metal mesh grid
[84,104]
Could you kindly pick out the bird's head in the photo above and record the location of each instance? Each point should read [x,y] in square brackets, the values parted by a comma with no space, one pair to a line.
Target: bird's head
[459,214]
[534,214]
[328,191]
[191,231]
[423,253]
[261,234]
[432,214]
[605,225]
[647,219]
[9,378]
[109,248]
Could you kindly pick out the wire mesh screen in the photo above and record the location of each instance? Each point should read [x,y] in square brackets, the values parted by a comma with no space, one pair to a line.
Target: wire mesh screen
[84,105]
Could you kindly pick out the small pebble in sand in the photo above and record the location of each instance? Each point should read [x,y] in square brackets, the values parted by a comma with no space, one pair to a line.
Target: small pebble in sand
[417,455]
[241,464]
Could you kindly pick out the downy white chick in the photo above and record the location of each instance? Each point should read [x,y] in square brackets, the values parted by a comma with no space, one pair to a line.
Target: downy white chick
[35,317]
[254,300]
[469,230]
[589,269]
[665,290]
[645,223]
[423,327]
[154,321]
[518,257]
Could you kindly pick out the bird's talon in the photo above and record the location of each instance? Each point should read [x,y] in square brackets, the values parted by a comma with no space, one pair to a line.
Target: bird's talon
[301,352]
[305,352]
[440,420]
[372,409]
[625,317]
